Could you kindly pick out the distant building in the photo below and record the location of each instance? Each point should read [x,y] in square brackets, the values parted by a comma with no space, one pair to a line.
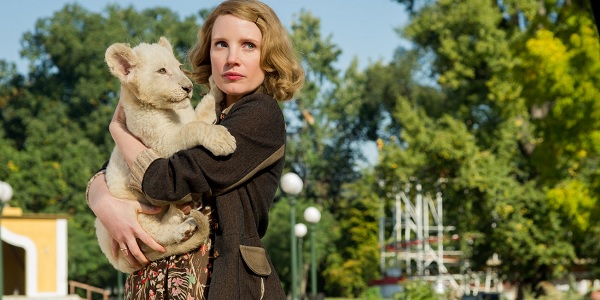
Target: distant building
[34,248]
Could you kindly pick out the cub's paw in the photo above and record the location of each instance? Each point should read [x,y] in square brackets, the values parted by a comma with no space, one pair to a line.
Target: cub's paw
[186,230]
[214,90]
[202,221]
[219,141]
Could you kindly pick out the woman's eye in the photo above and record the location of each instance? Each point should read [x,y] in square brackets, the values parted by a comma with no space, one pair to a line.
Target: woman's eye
[249,46]
[162,71]
[221,44]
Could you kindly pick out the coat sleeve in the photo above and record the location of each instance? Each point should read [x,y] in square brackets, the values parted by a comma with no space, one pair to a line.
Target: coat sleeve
[257,124]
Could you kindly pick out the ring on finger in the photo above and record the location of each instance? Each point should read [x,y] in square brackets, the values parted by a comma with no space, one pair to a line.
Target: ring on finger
[125,251]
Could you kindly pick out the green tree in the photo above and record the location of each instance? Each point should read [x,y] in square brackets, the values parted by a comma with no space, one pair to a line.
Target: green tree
[53,122]
[516,139]
[355,262]
[325,134]
[417,290]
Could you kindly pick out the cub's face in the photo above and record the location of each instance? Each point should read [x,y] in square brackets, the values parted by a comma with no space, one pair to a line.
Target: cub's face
[159,79]
[152,73]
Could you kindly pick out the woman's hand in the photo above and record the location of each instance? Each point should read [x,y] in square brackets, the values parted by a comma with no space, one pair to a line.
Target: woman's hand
[120,219]
[129,145]
[118,124]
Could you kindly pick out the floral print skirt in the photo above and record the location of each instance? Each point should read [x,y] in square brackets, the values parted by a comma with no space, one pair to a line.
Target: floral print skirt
[184,276]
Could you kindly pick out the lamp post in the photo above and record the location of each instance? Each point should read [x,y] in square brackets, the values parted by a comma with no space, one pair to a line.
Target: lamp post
[300,230]
[312,215]
[6,193]
[292,184]
[119,285]
[491,276]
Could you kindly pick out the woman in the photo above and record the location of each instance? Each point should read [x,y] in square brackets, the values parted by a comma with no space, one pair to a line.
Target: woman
[245,48]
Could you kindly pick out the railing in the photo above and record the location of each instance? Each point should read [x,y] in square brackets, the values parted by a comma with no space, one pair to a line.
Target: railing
[89,290]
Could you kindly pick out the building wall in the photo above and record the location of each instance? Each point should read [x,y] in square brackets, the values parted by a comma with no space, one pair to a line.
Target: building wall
[44,241]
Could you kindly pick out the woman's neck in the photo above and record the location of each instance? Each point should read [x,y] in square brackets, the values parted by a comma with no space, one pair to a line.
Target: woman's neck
[231,99]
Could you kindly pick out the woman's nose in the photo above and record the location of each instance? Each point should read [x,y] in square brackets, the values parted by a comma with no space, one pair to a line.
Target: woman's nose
[232,57]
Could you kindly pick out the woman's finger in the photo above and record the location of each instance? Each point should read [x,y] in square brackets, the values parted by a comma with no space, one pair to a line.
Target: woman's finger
[136,256]
[124,250]
[142,235]
[118,111]
[148,209]
[114,245]
[150,242]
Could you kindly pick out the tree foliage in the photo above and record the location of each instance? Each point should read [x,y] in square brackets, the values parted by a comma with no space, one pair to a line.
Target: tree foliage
[324,142]
[54,120]
[516,142]
[494,104]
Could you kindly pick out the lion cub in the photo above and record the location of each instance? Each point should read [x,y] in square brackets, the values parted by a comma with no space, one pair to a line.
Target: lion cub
[155,94]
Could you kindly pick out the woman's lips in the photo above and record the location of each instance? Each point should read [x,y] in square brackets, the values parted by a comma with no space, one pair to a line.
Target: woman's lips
[233,76]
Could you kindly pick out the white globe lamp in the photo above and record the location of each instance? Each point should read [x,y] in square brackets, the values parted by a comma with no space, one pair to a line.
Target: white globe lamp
[291,184]
[300,230]
[312,215]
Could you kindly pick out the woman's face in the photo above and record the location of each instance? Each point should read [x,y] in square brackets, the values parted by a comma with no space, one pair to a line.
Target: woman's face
[235,56]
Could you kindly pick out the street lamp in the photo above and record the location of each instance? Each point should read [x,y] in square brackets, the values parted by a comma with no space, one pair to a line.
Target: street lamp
[6,193]
[300,231]
[292,184]
[312,215]
[491,276]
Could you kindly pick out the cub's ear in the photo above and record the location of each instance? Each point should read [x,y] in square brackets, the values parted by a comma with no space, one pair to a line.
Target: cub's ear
[165,43]
[121,60]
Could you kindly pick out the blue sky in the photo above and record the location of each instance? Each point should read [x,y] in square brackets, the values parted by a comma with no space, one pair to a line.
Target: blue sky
[361,28]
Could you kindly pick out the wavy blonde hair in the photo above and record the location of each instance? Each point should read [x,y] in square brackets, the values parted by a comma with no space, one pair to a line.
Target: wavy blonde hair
[283,73]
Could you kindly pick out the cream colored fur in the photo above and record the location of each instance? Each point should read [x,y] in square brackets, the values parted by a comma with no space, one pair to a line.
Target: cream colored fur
[155,94]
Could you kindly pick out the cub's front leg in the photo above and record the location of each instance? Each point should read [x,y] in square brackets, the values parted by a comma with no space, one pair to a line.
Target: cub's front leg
[215,138]
[203,131]
[210,105]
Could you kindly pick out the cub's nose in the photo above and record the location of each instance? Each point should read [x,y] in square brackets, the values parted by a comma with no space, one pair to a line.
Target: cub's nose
[187,88]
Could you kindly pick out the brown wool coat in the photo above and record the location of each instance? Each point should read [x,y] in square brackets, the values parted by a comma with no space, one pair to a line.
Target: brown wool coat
[242,204]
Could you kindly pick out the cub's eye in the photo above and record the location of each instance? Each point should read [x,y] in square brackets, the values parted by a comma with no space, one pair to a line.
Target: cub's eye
[162,71]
